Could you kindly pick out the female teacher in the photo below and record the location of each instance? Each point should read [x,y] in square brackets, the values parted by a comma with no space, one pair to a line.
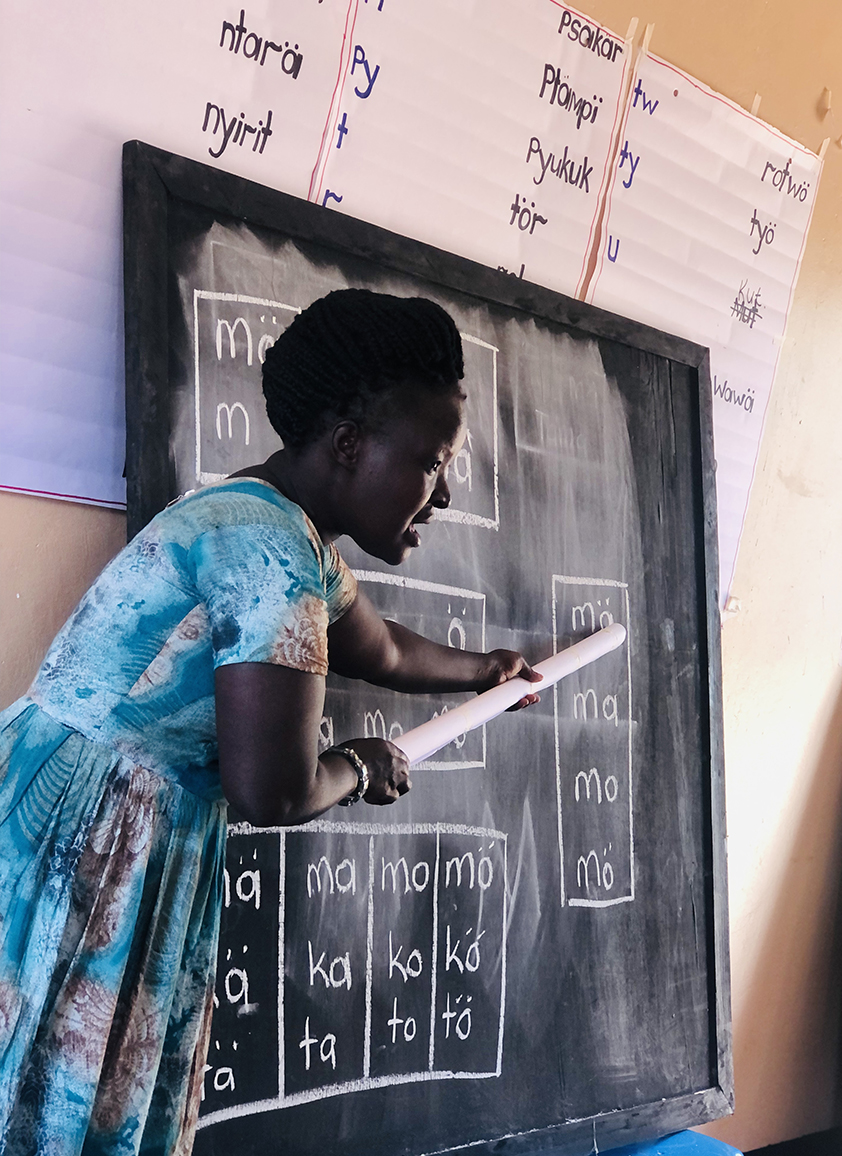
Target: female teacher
[193,672]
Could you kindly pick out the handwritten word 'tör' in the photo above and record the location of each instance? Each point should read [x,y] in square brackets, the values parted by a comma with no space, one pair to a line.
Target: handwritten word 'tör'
[782,179]
[236,130]
[291,58]
[765,232]
[524,216]
[589,36]
[563,168]
[565,97]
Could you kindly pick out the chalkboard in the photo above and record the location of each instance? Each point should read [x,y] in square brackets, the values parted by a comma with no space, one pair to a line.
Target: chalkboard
[529,952]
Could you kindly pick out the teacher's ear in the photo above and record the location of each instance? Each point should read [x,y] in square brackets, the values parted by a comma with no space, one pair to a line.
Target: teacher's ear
[345,443]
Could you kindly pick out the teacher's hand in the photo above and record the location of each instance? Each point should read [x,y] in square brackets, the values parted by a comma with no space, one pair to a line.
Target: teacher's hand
[388,770]
[505,664]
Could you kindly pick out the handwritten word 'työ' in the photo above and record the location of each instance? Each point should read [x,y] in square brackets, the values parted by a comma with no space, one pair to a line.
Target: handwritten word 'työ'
[565,97]
[589,36]
[254,47]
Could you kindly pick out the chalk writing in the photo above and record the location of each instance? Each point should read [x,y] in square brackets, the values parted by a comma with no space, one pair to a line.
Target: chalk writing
[593,730]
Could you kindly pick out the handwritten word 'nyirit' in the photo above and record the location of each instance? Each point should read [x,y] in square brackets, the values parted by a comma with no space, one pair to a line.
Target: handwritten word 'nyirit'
[236,130]
[589,36]
[254,47]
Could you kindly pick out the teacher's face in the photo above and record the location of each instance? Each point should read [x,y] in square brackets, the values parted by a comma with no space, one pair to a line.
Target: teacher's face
[401,473]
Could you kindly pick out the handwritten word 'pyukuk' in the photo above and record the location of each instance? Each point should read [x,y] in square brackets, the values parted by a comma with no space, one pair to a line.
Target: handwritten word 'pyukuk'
[563,168]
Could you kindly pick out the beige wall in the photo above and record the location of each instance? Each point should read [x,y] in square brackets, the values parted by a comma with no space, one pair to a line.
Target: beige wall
[782,652]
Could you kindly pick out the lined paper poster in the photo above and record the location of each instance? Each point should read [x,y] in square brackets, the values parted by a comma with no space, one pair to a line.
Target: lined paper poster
[484,129]
[706,224]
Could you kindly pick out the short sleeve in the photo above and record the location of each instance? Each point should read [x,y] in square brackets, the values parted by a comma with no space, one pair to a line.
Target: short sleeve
[340,585]
[264,590]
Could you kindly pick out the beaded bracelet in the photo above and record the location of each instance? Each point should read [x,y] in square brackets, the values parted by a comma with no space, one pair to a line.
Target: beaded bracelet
[362,774]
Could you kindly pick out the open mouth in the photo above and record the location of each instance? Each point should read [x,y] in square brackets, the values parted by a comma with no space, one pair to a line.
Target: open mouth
[411,534]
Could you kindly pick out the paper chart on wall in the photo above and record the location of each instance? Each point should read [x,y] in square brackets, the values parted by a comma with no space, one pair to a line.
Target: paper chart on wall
[484,132]
[704,232]
[247,89]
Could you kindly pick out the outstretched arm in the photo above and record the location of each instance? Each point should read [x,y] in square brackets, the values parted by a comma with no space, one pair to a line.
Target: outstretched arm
[363,645]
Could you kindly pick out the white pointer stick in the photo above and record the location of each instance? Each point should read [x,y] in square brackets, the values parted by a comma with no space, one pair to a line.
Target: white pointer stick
[423,741]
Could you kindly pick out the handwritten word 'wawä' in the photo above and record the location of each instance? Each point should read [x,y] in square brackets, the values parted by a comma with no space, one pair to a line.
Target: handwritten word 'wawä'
[255,47]
[589,36]
[236,130]
[563,95]
[563,168]
[744,400]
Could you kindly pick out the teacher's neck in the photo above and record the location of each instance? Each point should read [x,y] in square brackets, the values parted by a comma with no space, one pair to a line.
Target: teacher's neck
[306,477]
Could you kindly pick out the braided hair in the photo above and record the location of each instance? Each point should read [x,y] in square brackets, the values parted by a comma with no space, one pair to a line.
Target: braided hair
[350,349]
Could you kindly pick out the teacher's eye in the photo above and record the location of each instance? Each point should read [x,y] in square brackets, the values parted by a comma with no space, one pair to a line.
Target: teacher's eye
[433,467]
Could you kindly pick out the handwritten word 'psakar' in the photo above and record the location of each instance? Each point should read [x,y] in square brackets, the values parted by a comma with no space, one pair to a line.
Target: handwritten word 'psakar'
[565,97]
[254,47]
[563,168]
[589,36]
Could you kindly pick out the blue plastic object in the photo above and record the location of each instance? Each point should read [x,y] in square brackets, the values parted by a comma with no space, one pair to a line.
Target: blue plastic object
[679,1144]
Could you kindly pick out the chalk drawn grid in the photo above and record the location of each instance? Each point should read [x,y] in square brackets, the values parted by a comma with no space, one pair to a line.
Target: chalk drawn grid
[360,1085]
[451,592]
[204,477]
[613,584]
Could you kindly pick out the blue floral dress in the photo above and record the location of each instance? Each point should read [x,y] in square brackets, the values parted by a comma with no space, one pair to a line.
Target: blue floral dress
[112,820]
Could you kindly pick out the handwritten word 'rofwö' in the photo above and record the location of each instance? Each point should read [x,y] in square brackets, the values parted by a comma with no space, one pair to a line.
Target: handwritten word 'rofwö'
[255,47]
[782,179]
[765,232]
[236,130]
[746,307]
[563,168]
[565,97]
[589,36]
[743,400]
[524,216]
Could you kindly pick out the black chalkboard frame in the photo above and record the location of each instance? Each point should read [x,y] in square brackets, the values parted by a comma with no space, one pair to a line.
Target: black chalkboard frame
[152,179]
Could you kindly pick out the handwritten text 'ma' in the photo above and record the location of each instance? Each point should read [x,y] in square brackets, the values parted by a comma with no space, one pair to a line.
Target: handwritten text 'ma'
[564,167]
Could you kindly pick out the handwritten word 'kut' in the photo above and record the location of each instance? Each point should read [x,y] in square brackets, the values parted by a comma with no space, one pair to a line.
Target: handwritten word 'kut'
[236,130]
[291,58]
[589,36]
[565,97]
[563,168]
